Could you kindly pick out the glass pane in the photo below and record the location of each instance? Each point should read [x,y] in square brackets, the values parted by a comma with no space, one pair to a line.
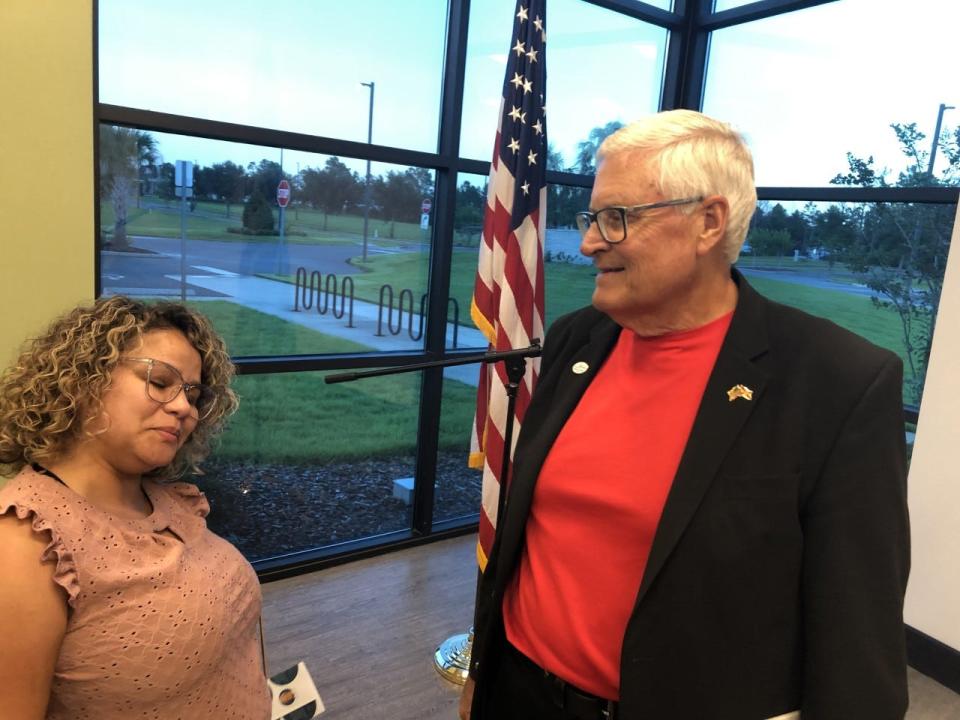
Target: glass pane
[876,269]
[809,87]
[457,491]
[297,65]
[305,465]
[347,274]
[721,5]
[569,276]
[584,43]
[467,226]
[569,281]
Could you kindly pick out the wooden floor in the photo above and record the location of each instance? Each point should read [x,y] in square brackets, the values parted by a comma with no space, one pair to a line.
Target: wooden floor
[368,630]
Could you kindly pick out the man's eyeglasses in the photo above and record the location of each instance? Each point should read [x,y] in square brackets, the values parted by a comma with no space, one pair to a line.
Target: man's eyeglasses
[164,383]
[612,221]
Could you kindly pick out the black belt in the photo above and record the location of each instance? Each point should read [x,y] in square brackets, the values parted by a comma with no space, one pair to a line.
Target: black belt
[575,703]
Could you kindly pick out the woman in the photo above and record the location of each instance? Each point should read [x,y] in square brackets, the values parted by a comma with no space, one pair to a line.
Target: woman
[117,601]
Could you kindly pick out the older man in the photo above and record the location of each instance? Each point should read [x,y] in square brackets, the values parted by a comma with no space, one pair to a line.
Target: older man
[707,516]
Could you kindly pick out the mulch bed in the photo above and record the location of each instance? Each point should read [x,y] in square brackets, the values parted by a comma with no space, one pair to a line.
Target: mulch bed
[269,509]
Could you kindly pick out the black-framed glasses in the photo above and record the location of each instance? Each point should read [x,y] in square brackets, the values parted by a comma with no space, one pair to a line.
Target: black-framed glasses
[612,221]
[164,383]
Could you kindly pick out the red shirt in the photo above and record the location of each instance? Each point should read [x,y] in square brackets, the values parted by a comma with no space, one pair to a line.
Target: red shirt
[598,502]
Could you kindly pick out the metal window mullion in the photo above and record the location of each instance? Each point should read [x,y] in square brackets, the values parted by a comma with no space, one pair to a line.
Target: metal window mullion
[441,259]
[267,137]
[686,62]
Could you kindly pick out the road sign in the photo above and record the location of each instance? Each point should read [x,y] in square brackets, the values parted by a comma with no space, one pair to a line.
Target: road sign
[283,194]
[426,205]
[425,221]
[183,178]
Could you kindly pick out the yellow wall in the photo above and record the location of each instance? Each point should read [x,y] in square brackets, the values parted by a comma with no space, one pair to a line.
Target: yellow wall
[46,164]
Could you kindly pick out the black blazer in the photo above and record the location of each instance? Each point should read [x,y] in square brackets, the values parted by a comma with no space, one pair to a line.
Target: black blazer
[777,573]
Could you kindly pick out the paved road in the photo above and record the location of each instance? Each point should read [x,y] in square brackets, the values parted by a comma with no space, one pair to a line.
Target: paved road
[245,258]
[814,281]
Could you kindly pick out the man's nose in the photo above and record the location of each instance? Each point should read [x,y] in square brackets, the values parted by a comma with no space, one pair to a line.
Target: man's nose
[592,241]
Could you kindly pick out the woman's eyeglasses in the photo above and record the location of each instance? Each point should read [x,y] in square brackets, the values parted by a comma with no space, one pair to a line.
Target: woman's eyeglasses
[164,383]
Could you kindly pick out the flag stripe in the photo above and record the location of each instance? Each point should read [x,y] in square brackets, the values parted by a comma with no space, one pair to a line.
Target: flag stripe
[508,297]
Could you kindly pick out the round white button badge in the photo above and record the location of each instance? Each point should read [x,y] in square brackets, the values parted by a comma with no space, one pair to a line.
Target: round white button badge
[579,368]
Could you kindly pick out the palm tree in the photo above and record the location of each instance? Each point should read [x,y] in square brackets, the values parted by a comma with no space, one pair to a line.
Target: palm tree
[125,154]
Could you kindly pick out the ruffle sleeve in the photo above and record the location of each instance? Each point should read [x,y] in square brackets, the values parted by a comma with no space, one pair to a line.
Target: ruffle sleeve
[189,498]
[65,572]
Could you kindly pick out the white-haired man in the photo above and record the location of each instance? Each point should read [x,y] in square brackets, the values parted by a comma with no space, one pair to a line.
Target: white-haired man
[707,516]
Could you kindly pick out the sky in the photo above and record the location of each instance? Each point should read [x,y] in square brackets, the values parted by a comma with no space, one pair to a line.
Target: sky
[805,88]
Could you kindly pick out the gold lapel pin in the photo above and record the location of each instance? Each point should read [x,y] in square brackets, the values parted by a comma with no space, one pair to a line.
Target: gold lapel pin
[739,391]
[579,368]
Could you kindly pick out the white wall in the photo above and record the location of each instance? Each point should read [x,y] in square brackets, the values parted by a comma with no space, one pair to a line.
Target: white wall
[933,596]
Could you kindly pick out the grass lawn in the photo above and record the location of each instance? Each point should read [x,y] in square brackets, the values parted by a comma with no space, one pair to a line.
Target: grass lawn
[209,221]
[296,417]
[569,286]
[854,312]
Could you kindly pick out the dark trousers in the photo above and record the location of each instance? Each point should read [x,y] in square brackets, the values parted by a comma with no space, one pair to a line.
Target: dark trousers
[521,690]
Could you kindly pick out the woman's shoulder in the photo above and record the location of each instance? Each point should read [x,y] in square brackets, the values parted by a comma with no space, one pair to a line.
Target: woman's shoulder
[185,497]
[30,490]
[37,519]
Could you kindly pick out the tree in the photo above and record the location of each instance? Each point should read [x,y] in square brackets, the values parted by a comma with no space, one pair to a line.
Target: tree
[332,188]
[264,177]
[227,183]
[586,161]
[399,194]
[165,181]
[125,156]
[901,249]
[774,243]
[468,212]
[258,215]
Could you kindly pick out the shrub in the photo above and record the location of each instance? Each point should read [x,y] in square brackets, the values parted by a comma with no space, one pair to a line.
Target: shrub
[257,215]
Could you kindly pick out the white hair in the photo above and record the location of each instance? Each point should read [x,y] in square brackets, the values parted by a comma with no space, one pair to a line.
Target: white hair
[694,155]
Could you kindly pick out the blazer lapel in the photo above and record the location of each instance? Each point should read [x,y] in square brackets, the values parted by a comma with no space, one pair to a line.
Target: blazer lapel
[718,422]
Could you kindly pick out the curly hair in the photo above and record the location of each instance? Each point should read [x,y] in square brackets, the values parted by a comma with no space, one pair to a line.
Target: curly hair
[52,394]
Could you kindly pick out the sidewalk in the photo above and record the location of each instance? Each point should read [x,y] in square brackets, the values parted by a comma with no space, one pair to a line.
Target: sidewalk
[276,299]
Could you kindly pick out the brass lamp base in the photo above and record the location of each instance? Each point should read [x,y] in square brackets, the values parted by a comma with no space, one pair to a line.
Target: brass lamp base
[452,658]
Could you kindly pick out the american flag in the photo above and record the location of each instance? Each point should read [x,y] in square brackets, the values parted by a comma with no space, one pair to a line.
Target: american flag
[508,294]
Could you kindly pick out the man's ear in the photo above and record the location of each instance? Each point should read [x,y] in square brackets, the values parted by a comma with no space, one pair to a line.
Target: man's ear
[714,211]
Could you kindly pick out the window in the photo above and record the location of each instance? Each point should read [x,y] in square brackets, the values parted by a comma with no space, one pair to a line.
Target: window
[296,66]
[375,268]
[811,86]
[603,67]
[874,268]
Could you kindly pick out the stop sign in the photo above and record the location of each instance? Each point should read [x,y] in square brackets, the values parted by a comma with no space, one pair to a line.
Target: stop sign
[283,194]
[426,205]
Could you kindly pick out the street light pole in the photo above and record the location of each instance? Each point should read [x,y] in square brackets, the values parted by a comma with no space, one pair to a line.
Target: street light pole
[366,191]
[936,136]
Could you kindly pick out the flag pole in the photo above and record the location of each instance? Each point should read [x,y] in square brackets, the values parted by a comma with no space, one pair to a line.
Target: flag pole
[452,657]
[508,296]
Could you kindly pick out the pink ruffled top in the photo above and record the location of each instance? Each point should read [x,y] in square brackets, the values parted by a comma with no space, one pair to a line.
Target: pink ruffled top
[162,620]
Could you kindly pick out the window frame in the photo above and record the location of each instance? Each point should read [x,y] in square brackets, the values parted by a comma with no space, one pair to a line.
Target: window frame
[689,25]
